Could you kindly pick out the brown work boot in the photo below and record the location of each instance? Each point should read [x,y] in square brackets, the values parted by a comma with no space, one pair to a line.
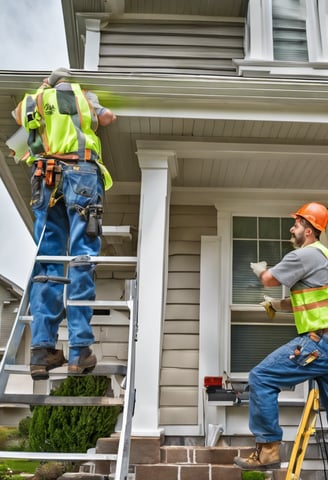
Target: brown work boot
[265,457]
[43,360]
[84,363]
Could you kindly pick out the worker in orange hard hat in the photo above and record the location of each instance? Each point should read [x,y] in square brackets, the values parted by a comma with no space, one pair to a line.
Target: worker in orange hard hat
[305,272]
[315,213]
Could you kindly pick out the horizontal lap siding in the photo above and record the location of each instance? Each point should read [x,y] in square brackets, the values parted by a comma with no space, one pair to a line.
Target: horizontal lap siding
[186,48]
[180,354]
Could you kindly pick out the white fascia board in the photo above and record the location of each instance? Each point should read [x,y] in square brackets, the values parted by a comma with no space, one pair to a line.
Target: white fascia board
[201,97]
[209,150]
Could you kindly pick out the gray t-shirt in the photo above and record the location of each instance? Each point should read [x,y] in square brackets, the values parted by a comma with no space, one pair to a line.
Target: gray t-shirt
[302,268]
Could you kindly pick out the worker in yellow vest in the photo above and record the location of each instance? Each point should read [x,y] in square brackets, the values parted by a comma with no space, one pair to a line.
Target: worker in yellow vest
[305,271]
[68,181]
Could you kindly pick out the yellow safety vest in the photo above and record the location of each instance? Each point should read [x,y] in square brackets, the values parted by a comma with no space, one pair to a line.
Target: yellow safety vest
[310,305]
[62,122]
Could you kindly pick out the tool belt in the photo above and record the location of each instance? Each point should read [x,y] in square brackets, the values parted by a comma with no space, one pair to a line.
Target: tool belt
[51,168]
[317,334]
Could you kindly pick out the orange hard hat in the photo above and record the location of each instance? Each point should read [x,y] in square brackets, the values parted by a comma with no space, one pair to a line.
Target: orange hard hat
[315,213]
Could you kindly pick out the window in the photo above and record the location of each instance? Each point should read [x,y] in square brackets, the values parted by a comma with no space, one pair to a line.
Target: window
[253,334]
[289,30]
[256,239]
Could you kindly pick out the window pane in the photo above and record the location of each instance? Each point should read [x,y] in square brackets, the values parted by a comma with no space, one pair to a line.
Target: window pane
[246,288]
[252,343]
[289,30]
[270,251]
[244,280]
[244,227]
[285,248]
[269,228]
[286,225]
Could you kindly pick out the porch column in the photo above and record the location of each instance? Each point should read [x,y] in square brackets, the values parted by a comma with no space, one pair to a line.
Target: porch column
[157,168]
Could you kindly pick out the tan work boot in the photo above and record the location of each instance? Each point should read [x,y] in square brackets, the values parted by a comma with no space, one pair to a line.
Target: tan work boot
[84,363]
[43,360]
[265,457]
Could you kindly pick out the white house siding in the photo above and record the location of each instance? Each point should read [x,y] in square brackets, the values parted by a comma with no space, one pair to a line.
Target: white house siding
[8,307]
[179,369]
[174,44]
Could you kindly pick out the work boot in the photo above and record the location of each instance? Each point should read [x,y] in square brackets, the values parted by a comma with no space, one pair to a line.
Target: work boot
[84,363]
[43,360]
[265,457]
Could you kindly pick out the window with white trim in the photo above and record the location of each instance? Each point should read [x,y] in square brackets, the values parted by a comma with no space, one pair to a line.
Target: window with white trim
[253,334]
[289,30]
[286,31]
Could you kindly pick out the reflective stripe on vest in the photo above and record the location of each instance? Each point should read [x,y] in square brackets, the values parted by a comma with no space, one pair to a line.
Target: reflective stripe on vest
[310,305]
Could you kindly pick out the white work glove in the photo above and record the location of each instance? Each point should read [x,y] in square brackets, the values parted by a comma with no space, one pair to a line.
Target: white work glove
[259,268]
[271,305]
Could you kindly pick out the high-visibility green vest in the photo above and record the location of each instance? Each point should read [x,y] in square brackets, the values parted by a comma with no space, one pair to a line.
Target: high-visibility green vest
[61,122]
[310,305]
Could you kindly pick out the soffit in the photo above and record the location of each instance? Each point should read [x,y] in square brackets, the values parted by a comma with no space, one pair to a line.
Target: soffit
[226,133]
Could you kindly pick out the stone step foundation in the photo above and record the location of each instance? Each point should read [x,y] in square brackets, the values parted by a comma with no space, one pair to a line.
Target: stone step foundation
[152,459]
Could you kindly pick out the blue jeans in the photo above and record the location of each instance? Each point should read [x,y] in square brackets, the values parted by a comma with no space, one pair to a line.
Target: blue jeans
[282,368]
[65,234]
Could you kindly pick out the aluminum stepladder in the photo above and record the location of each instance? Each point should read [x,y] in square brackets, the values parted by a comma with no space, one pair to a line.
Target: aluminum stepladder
[305,430]
[9,367]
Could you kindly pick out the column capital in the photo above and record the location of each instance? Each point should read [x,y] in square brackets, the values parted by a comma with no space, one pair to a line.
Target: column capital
[158,159]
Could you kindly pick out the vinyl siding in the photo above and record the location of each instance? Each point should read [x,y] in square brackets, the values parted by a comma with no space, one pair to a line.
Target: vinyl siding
[167,46]
[180,354]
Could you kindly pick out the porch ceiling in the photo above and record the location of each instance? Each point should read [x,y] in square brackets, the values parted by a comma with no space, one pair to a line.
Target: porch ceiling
[221,140]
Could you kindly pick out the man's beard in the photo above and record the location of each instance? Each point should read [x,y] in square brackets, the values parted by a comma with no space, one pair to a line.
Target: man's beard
[297,242]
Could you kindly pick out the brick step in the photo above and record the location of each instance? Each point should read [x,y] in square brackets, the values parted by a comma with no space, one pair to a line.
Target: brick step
[153,460]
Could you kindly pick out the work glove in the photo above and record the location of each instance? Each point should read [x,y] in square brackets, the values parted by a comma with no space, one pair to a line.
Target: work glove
[259,267]
[271,305]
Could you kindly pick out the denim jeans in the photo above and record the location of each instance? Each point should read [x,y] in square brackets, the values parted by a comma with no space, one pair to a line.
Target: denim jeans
[282,368]
[65,234]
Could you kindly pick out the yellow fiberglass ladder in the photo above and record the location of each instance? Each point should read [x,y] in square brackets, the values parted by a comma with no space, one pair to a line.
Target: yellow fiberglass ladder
[120,372]
[305,430]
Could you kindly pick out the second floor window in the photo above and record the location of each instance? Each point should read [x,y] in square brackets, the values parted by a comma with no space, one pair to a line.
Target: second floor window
[289,30]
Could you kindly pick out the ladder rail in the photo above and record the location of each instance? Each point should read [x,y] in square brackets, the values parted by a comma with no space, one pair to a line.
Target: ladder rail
[305,430]
[14,340]
[123,456]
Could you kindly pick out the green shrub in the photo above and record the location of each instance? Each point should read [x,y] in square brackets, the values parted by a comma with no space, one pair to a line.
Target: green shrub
[73,429]
[252,475]
[7,474]
[6,433]
[24,427]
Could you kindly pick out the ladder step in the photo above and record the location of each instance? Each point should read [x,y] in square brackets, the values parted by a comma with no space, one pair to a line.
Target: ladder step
[36,399]
[101,369]
[119,304]
[59,456]
[112,260]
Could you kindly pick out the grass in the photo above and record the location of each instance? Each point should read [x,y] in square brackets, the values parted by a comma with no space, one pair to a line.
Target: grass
[26,466]
[252,475]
